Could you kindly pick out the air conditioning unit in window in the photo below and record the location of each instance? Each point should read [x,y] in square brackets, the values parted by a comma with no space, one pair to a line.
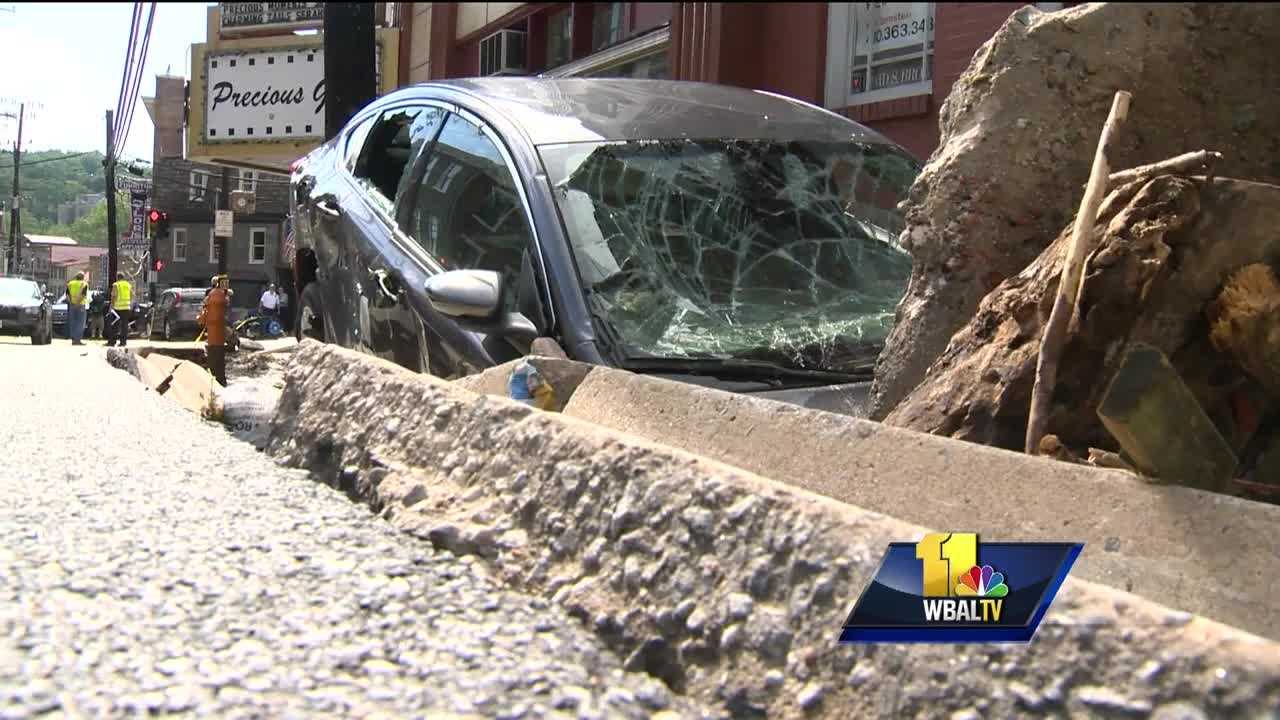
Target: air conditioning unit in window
[503,53]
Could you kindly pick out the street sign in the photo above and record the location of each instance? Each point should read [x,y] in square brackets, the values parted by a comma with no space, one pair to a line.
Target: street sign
[137,238]
[222,223]
[133,184]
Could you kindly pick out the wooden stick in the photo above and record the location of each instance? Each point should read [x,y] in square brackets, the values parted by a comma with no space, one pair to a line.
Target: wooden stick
[1055,332]
[1199,159]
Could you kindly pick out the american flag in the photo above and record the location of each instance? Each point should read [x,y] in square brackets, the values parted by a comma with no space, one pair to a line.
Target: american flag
[287,247]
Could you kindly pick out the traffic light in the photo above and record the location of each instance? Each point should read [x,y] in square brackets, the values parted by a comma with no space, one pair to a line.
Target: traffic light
[158,265]
[159,223]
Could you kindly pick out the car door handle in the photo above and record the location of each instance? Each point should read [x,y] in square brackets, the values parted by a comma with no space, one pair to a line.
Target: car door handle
[385,282]
[326,206]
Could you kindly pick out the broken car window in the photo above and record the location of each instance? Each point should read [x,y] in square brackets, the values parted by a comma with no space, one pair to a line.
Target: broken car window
[385,161]
[775,251]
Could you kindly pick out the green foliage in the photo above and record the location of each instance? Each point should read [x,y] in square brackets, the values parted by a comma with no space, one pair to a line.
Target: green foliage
[47,183]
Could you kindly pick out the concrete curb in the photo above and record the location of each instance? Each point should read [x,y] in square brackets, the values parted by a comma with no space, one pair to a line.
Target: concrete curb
[1154,540]
[729,586]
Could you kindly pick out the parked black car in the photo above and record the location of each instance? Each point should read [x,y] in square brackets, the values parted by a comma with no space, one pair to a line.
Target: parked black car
[723,236]
[24,310]
[174,314]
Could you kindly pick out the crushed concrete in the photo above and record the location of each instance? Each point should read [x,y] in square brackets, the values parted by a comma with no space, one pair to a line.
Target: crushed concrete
[654,549]
[1019,129]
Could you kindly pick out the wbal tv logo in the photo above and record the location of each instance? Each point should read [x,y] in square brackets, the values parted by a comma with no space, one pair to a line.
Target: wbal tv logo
[949,588]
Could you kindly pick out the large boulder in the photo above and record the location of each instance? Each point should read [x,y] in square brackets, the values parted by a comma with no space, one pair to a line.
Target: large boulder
[1161,261]
[1018,133]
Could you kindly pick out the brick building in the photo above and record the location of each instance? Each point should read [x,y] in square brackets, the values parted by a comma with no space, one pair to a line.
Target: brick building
[188,191]
[886,65]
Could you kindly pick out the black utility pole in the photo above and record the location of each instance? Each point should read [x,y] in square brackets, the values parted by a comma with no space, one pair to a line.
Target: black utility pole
[224,203]
[109,163]
[349,84]
[15,221]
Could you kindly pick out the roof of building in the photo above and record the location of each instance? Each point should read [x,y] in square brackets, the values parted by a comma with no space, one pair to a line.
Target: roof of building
[70,255]
[562,110]
[49,239]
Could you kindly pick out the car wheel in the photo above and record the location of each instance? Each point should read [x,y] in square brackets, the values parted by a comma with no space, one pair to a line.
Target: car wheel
[310,323]
[168,331]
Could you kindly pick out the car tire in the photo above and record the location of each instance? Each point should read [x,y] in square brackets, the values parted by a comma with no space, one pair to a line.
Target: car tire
[310,320]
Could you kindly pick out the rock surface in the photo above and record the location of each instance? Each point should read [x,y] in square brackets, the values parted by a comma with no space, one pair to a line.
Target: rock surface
[1161,261]
[658,553]
[1018,133]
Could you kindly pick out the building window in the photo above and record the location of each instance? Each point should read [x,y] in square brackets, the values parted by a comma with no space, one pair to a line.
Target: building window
[559,35]
[199,183]
[248,180]
[257,246]
[213,248]
[606,25]
[878,51]
[179,245]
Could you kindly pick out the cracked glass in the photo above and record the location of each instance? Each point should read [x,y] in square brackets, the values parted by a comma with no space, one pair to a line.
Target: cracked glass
[763,250]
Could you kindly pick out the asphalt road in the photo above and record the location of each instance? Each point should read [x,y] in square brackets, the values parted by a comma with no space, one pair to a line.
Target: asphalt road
[151,563]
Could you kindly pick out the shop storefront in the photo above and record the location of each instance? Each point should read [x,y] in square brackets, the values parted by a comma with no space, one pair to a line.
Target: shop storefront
[887,65]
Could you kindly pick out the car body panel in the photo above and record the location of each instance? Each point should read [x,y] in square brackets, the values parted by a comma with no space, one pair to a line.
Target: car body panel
[26,312]
[362,243]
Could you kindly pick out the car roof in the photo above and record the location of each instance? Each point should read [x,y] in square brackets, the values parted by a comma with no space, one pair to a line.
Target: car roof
[564,110]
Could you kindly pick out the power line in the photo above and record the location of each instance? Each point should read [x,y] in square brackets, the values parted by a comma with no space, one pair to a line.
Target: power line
[125,72]
[139,69]
[46,160]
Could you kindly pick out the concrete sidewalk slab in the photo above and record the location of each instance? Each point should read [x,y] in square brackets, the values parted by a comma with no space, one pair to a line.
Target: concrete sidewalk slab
[730,586]
[1153,540]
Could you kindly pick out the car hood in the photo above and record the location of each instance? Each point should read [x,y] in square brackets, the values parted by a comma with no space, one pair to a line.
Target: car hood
[842,398]
[18,304]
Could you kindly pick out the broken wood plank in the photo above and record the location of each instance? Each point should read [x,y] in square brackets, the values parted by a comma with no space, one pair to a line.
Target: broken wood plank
[1082,243]
[1161,426]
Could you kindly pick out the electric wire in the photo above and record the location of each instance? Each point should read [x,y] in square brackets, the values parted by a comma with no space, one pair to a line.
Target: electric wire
[139,70]
[124,76]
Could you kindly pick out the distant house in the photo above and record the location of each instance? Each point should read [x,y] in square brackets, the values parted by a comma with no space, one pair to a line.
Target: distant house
[37,255]
[65,262]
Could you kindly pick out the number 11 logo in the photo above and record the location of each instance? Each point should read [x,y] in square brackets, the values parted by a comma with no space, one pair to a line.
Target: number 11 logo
[944,556]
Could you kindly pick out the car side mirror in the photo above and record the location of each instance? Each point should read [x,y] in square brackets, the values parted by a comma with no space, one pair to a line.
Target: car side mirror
[475,299]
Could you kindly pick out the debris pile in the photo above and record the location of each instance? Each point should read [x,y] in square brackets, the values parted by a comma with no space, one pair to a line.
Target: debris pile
[1018,133]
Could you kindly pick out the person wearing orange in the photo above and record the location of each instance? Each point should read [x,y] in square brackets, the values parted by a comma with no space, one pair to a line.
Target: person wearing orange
[213,316]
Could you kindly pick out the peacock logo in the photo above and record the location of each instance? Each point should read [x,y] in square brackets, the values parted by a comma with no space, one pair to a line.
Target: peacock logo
[981,582]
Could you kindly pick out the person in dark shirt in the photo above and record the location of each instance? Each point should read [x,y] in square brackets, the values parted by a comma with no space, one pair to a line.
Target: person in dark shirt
[97,314]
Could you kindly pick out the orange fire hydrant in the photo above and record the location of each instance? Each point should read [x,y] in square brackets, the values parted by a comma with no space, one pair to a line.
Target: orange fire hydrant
[215,323]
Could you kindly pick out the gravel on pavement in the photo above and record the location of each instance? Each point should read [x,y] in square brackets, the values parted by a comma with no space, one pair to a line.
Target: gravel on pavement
[151,563]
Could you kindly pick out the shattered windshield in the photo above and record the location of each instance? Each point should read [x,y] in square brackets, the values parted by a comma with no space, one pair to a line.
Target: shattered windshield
[775,251]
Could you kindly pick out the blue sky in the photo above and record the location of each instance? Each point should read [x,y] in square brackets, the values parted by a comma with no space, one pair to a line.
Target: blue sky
[69,57]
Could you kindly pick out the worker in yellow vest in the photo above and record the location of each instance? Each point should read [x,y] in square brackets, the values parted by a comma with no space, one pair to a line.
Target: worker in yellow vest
[121,308]
[77,301]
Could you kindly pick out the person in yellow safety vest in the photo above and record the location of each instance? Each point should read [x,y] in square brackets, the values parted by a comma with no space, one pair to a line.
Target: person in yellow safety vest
[77,296]
[121,308]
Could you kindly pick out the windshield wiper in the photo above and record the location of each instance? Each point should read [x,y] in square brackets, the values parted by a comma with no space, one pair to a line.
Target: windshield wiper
[736,369]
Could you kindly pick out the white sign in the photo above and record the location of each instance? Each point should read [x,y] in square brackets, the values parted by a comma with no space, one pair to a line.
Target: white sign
[878,51]
[133,184]
[222,223]
[260,15]
[265,95]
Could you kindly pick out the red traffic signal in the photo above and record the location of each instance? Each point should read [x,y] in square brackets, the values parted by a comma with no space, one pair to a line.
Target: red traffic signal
[158,265]
[155,216]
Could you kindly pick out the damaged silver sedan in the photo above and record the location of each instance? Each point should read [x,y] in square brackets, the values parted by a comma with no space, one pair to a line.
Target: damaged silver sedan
[723,236]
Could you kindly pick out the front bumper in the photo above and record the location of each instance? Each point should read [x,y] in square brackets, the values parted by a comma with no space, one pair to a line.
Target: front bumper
[19,327]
